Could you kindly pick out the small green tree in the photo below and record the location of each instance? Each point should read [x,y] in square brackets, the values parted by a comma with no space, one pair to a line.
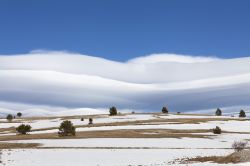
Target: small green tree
[90,121]
[218,112]
[67,129]
[217,130]
[164,110]
[19,114]
[9,117]
[242,114]
[23,129]
[112,111]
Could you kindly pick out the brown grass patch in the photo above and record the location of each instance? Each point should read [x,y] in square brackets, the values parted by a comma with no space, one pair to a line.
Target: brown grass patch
[216,159]
[10,129]
[139,133]
[6,145]
[236,157]
[150,122]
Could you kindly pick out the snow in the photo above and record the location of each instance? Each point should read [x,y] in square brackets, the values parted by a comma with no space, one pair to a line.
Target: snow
[219,141]
[228,125]
[180,116]
[232,126]
[39,124]
[7,125]
[105,157]
[126,151]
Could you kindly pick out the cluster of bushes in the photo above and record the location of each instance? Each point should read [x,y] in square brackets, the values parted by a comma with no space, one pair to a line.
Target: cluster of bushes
[21,129]
[10,117]
[67,128]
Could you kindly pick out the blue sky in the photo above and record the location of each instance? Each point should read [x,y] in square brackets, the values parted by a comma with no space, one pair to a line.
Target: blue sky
[120,30]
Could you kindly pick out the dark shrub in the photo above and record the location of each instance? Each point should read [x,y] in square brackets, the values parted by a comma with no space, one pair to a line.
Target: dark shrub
[67,129]
[19,114]
[112,111]
[217,130]
[90,121]
[82,119]
[239,145]
[9,117]
[133,112]
[218,112]
[164,110]
[242,114]
[23,129]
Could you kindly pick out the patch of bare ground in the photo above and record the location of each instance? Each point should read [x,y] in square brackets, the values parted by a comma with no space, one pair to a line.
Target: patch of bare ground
[10,129]
[66,117]
[236,157]
[129,133]
[4,145]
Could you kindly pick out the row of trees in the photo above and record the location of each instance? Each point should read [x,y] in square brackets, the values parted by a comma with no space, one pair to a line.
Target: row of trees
[218,112]
[242,113]
[66,128]
[113,112]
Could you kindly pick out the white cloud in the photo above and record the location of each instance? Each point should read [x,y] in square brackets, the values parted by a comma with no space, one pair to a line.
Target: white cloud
[159,58]
[48,80]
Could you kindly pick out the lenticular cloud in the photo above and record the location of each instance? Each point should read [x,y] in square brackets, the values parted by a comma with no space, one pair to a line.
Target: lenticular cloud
[51,82]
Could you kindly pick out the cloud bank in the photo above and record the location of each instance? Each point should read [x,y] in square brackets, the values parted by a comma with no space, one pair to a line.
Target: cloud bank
[50,82]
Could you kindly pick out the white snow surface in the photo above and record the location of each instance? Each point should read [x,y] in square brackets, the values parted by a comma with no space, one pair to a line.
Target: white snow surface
[221,141]
[106,157]
[126,151]
[38,124]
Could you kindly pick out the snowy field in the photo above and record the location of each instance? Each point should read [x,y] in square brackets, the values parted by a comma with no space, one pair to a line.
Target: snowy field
[151,140]
[102,157]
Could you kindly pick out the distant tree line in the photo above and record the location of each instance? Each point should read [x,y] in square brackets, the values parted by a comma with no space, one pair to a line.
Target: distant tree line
[242,113]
